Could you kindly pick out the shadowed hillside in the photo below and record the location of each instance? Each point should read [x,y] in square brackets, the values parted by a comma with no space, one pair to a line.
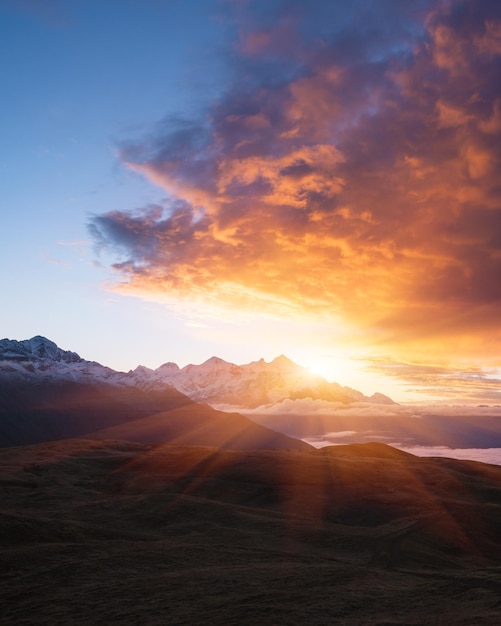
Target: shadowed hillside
[49,410]
[100,532]
[197,424]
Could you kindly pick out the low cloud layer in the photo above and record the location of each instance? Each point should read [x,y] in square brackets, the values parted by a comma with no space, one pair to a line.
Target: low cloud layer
[308,406]
[350,168]
[463,432]
[484,455]
[355,410]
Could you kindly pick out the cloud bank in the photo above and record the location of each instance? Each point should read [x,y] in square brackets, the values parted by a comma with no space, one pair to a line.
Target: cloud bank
[350,168]
[483,455]
[462,432]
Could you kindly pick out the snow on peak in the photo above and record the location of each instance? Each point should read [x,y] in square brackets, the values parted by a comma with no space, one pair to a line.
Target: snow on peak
[215,381]
[142,370]
[39,359]
[168,367]
[282,361]
[215,361]
[36,348]
[380,398]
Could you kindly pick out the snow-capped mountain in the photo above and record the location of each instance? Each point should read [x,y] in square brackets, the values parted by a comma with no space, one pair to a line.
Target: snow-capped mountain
[214,382]
[37,349]
[217,382]
[39,358]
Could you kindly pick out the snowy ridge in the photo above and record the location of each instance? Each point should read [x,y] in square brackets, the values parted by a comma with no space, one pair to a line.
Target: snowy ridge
[214,382]
[36,348]
[39,359]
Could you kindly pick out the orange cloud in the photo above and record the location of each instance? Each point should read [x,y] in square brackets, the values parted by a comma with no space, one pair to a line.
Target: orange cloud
[358,179]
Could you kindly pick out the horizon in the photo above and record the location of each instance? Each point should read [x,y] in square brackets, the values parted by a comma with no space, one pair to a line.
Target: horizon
[244,180]
[280,395]
[424,404]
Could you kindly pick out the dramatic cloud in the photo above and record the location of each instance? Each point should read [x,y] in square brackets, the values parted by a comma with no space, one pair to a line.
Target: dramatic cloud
[351,168]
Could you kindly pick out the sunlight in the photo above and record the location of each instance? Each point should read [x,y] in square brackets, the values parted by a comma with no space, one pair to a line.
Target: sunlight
[351,369]
[331,368]
[325,369]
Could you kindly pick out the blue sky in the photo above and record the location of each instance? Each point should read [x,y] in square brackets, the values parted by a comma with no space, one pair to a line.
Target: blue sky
[245,179]
[79,76]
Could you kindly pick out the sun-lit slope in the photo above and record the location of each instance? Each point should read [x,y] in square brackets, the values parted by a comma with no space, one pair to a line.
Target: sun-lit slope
[116,532]
[437,511]
[429,511]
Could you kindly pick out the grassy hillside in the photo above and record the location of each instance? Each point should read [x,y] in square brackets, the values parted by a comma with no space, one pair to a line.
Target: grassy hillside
[103,532]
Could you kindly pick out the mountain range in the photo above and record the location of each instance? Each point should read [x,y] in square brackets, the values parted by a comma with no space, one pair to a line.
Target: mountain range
[48,394]
[214,382]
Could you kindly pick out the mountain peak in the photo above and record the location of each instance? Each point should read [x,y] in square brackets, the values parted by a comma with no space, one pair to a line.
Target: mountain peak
[380,398]
[169,366]
[282,361]
[36,348]
[39,339]
[215,361]
[41,346]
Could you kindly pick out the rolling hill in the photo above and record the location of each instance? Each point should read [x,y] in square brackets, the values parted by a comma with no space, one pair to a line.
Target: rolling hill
[107,532]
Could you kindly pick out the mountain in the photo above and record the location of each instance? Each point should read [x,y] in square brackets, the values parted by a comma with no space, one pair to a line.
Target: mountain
[47,394]
[47,410]
[107,532]
[39,359]
[258,383]
[214,382]
[37,349]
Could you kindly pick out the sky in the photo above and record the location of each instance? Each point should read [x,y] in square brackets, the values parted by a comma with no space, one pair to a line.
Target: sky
[250,178]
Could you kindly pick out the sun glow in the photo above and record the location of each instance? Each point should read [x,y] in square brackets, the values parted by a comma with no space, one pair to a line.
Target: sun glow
[346,369]
[333,369]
